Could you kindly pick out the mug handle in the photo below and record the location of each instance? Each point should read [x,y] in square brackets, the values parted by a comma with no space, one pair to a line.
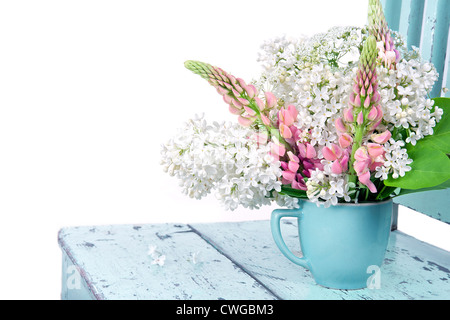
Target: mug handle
[275,221]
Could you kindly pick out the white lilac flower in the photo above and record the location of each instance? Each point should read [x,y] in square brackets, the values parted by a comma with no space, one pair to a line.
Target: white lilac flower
[397,161]
[223,159]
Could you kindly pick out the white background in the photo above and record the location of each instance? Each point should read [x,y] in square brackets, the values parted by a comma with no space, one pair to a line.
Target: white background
[89,90]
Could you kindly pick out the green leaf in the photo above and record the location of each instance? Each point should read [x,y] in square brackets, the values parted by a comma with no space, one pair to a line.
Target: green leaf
[430,168]
[440,139]
[294,193]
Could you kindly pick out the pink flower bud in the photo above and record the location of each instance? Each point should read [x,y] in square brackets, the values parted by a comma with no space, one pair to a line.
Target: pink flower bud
[293,166]
[235,111]
[363,92]
[310,151]
[375,150]
[289,176]
[236,93]
[293,157]
[333,153]
[360,119]
[365,180]
[251,91]
[336,167]
[227,99]
[245,102]
[307,151]
[265,120]
[372,114]
[362,155]
[340,125]
[285,131]
[260,104]
[357,102]
[286,117]
[379,113]
[222,91]
[245,122]
[345,141]
[361,167]
[344,162]
[241,83]
[367,102]
[250,111]
[271,100]
[236,104]
[381,138]
[293,111]
[376,97]
[300,185]
[348,115]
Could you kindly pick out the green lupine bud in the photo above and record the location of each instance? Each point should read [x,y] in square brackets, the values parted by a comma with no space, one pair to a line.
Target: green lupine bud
[377,21]
[202,69]
[369,54]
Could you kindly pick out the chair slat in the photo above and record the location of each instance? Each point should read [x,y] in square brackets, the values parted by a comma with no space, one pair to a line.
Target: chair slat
[414,21]
[433,44]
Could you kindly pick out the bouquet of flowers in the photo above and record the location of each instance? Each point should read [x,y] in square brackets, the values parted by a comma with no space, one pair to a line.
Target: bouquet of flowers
[341,117]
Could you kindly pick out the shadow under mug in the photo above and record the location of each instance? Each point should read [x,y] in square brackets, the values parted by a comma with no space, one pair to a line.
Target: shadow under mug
[342,245]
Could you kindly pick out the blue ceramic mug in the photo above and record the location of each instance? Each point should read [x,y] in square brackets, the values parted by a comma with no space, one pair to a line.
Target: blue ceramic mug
[342,244]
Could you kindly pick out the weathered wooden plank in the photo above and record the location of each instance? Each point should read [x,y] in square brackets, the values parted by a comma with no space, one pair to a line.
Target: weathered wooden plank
[115,265]
[412,269]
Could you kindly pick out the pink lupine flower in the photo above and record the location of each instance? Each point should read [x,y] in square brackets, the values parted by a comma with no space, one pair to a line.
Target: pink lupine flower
[241,97]
[375,150]
[251,91]
[290,173]
[345,141]
[271,100]
[373,114]
[261,105]
[246,122]
[288,116]
[348,115]
[340,165]
[360,119]
[340,126]
[333,153]
[381,138]
[266,120]
[306,150]
[365,180]
[285,132]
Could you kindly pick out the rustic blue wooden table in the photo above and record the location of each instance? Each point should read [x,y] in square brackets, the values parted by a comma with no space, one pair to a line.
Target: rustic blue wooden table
[236,261]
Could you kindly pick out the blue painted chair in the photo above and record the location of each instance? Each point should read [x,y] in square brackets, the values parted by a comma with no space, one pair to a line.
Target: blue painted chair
[425,25]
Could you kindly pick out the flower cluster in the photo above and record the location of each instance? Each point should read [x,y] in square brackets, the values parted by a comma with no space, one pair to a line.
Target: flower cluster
[331,119]
[227,159]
